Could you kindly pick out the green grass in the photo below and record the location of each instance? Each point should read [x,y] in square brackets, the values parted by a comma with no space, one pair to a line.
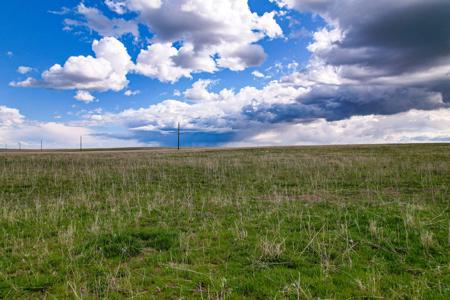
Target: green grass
[271,223]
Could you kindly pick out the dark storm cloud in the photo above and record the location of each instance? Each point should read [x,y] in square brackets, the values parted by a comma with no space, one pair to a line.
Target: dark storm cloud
[251,55]
[169,23]
[341,102]
[391,37]
[394,56]
[405,38]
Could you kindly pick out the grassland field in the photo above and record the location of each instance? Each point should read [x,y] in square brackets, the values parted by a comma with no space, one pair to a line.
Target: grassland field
[335,222]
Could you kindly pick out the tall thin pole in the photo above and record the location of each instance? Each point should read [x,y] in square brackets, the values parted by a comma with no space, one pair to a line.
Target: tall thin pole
[81,143]
[178,135]
[20,146]
[41,145]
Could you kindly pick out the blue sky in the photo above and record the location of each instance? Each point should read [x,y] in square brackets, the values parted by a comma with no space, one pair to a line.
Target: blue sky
[240,73]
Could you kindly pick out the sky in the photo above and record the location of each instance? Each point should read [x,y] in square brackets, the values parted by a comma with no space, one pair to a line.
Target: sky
[124,73]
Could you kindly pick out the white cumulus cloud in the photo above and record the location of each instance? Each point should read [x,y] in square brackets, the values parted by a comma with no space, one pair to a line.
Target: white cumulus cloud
[10,116]
[24,70]
[258,74]
[106,71]
[211,35]
[84,96]
[16,128]
[415,126]
[130,93]
[96,21]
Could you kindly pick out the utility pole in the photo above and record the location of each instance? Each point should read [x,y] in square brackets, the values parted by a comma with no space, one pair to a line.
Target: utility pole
[178,135]
[81,143]
[20,146]
[41,145]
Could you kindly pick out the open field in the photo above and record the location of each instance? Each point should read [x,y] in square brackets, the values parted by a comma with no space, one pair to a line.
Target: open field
[329,222]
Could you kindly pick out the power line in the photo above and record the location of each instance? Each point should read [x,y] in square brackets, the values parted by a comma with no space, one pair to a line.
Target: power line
[178,135]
